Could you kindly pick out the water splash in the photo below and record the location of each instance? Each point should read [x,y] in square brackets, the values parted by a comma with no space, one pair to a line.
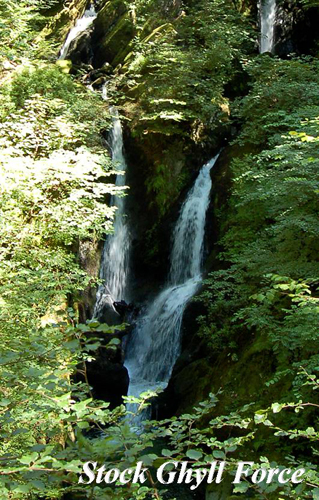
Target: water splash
[155,343]
[81,25]
[267,25]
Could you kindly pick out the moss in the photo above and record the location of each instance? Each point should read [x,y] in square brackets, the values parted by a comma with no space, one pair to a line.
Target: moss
[241,382]
[108,16]
[114,29]
[63,21]
[65,65]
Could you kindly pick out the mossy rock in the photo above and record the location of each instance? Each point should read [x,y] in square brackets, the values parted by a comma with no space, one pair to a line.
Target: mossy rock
[65,65]
[241,381]
[191,385]
[115,45]
[108,16]
[64,20]
[113,31]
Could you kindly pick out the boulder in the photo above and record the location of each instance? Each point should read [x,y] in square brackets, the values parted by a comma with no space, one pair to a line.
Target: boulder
[80,50]
[107,374]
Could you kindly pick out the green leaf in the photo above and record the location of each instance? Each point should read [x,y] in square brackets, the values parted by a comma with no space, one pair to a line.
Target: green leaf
[194,454]
[315,494]
[277,407]
[114,341]
[28,459]
[241,487]
[167,453]
[149,459]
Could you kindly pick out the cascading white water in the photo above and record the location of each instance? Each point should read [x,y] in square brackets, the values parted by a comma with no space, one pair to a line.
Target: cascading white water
[114,264]
[267,25]
[155,343]
[81,25]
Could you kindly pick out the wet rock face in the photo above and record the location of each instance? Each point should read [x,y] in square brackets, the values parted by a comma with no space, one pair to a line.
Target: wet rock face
[283,32]
[305,35]
[64,17]
[80,50]
[190,380]
[113,30]
[296,29]
[108,376]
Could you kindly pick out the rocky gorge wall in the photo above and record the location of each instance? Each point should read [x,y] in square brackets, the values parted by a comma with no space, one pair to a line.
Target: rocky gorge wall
[164,150]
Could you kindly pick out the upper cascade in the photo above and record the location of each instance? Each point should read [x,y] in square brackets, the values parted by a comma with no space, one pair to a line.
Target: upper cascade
[81,25]
[267,25]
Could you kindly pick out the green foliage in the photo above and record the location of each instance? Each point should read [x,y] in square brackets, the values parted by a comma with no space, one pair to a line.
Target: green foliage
[55,187]
[178,70]
[266,291]
[173,82]
[44,467]
[20,22]
[54,194]
[163,185]
[283,94]
[270,230]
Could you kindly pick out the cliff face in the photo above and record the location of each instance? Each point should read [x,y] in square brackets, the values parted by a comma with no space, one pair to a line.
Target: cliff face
[174,121]
[295,29]
[177,83]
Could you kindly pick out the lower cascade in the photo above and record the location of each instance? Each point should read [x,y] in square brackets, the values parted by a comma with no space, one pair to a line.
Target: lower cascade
[267,24]
[155,342]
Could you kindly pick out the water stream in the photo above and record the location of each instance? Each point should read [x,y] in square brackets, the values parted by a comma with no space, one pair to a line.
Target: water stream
[114,263]
[155,343]
[81,25]
[267,25]
[115,256]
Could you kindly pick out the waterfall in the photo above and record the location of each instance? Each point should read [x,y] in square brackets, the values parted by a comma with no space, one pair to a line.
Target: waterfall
[115,256]
[267,25]
[81,25]
[155,343]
